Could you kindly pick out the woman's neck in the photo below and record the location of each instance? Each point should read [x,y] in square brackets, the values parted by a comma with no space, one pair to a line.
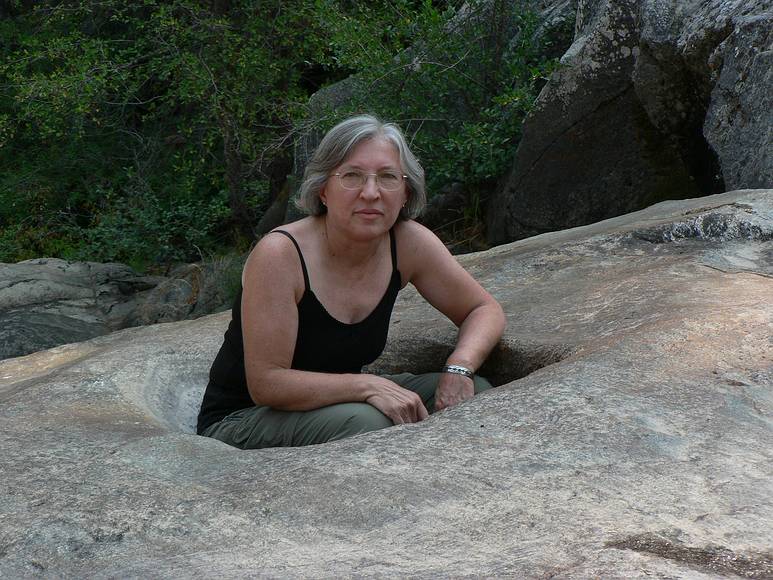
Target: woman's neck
[345,251]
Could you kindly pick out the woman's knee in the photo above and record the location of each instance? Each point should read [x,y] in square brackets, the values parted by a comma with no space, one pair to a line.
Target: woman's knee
[361,418]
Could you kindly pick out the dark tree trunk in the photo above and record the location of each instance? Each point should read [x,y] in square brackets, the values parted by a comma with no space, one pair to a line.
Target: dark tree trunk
[242,216]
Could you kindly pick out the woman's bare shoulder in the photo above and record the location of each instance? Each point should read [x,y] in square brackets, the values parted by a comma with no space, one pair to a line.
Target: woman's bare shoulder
[277,245]
[412,233]
[275,256]
[270,248]
[417,247]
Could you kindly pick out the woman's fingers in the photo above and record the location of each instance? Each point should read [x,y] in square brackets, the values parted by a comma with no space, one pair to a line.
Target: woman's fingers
[401,409]
[397,403]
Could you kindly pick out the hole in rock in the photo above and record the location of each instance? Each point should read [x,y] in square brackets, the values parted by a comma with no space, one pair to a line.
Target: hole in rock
[171,391]
[509,361]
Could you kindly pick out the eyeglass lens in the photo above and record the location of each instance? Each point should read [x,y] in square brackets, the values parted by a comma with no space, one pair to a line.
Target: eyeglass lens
[386,180]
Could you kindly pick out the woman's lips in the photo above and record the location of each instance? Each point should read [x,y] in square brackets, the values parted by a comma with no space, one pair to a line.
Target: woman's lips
[369,213]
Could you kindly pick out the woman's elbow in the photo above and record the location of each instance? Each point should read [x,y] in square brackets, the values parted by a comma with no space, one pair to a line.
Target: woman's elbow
[257,394]
[499,320]
[259,389]
[488,315]
[265,391]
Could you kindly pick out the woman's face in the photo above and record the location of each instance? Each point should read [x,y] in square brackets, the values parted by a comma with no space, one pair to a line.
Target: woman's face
[368,211]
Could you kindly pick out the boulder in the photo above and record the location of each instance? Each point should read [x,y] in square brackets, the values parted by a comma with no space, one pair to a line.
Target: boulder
[653,100]
[630,435]
[47,302]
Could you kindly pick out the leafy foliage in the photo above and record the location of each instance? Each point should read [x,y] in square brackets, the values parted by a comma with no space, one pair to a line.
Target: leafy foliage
[142,121]
[152,131]
[459,79]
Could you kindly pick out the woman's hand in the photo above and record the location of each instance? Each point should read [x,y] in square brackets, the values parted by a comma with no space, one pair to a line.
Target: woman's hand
[397,403]
[453,389]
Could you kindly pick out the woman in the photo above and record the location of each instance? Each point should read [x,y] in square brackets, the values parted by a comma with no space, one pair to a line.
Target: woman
[317,297]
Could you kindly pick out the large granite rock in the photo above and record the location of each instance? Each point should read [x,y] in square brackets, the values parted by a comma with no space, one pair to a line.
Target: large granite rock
[631,436]
[654,100]
[47,302]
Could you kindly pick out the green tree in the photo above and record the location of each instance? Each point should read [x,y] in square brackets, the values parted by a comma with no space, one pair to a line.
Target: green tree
[459,77]
[156,123]
[152,131]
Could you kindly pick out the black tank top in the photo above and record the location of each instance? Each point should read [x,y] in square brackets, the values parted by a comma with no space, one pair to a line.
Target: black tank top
[324,344]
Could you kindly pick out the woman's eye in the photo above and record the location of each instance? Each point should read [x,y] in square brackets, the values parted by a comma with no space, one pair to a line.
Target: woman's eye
[352,175]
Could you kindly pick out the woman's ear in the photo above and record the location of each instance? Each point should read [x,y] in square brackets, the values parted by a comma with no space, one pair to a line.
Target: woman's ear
[323,197]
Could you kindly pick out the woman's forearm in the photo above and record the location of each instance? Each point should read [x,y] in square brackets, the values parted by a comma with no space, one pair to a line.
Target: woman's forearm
[478,334]
[294,390]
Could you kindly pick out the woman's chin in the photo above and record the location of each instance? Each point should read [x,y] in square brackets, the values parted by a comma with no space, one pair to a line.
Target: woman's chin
[370,218]
[370,226]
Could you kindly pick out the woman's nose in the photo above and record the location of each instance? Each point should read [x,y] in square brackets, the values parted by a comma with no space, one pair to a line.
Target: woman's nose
[370,187]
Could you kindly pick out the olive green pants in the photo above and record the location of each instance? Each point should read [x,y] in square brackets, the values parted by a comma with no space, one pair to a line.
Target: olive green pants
[259,427]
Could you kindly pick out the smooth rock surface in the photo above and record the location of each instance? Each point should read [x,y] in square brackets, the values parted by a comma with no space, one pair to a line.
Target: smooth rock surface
[653,100]
[632,436]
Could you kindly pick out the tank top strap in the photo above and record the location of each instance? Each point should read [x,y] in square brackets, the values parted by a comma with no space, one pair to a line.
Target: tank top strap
[300,255]
[393,248]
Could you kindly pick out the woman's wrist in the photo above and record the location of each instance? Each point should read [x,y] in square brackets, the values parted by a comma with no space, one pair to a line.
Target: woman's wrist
[364,386]
[467,361]
[458,369]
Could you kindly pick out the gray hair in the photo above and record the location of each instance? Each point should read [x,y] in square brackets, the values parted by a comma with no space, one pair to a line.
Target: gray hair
[336,146]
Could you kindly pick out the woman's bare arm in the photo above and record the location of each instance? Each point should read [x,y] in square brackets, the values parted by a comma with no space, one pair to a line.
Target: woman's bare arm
[439,278]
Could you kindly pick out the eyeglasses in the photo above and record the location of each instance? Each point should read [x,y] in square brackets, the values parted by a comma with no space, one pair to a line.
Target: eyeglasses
[385,180]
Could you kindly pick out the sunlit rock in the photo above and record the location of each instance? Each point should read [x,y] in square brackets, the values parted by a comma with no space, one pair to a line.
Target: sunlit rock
[630,436]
